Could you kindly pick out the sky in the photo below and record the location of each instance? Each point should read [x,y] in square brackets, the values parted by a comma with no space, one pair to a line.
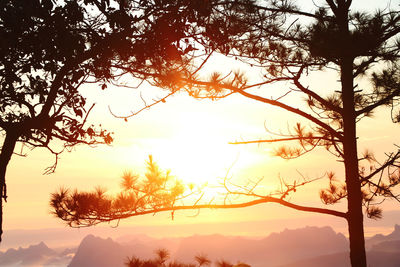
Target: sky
[190,137]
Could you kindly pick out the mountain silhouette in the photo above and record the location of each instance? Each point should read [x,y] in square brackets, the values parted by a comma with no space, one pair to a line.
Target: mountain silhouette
[303,247]
[277,248]
[99,252]
[384,251]
[379,238]
[35,254]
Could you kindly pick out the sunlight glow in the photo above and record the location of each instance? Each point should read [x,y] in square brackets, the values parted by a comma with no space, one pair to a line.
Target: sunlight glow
[199,151]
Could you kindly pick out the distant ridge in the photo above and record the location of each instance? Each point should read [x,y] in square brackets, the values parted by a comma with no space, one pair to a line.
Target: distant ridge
[277,248]
[303,247]
[395,235]
[33,255]
[384,251]
[99,252]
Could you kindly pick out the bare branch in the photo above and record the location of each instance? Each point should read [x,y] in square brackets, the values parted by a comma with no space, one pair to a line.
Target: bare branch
[283,140]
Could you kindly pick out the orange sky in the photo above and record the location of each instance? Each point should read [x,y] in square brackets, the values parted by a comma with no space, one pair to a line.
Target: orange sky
[189,137]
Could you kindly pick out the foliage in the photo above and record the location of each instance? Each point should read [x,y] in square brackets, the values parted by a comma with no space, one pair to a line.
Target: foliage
[223,263]
[201,260]
[49,49]
[286,43]
[156,191]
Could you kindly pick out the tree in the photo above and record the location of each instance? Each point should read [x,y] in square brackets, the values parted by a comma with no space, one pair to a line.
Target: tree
[287,43]
[223,263]
[202,260]
[49,49]
[162,256]
[161,259]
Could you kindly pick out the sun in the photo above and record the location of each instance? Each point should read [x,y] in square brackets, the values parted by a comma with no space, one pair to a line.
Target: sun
[199,152]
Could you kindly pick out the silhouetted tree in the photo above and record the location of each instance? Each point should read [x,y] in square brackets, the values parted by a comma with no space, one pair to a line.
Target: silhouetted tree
[162,256]
[49,49]
[241,265]
[202,260]
[224,263]
[287,43]
[133,262]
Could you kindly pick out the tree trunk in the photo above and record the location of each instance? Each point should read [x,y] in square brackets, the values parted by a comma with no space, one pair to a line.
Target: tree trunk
[354,196]
[5,156]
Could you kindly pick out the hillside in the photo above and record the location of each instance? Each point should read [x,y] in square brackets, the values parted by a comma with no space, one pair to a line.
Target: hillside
[303,247]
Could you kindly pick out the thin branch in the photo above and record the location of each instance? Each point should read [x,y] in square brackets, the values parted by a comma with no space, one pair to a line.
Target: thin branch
[378,103]
[385,165]
[282,140]
[147,106]
[266,199]
[293,110]
[317,97]
[276,103]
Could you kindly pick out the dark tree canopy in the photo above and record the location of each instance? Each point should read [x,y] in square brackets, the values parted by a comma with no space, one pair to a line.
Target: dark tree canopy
[286,43]
[49,49]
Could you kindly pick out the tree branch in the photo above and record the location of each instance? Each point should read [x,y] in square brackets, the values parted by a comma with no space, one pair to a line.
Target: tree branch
[293,110]
[272,102]
[98,219]
[378,103]
[283,140]
[317,97]
[381,168]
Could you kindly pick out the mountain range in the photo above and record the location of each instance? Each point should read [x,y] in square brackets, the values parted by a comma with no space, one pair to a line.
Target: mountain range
[36,255]
[309,246]
[277,248]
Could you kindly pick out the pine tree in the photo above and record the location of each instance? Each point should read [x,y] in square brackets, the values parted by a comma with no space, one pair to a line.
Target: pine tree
[286,44]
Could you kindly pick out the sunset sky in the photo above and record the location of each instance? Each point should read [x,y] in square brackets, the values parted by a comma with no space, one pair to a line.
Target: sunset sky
[190,137]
